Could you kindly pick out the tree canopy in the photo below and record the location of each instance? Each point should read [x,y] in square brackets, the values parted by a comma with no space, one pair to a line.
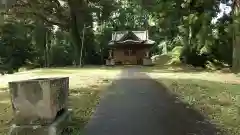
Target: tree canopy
[44,33]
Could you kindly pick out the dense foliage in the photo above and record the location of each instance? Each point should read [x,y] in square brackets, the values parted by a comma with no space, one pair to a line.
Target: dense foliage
[42,33]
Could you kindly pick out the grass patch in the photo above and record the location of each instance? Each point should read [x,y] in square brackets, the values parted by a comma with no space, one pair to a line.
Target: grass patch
[173,68]
[2,87]
[5,111]
[67,70]
[53,71]
[218,101]
[83,102]
[184,69]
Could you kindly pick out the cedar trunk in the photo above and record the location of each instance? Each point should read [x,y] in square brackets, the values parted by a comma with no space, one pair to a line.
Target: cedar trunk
[236,36]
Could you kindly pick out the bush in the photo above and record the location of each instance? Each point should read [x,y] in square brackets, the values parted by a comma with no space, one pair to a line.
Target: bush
[161,59]
[175,56]
[192,56]
[61,55]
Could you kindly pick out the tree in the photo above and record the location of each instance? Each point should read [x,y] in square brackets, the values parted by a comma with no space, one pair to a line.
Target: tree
[55,28]
[16,47]
[236,36]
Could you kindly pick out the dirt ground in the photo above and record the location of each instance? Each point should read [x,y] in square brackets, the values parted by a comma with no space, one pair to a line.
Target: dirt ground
[208,76]
[79,78]
[93,76]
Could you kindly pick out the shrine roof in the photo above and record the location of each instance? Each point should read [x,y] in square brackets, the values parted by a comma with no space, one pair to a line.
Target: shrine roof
[130,37]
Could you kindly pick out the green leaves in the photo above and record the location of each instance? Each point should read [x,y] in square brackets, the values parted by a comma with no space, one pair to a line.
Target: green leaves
[178,22]
[15,45]
[186,4]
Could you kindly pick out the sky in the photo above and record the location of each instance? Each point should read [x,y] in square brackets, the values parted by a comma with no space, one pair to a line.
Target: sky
[223,8]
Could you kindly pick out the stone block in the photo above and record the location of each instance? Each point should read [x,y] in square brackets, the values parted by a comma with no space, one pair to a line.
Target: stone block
[5,4]
[147,62]
[107,62]
[110,62]
[38,101]
[56,128]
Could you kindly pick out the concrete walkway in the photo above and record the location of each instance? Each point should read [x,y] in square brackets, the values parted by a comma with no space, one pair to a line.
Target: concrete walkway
[138,105]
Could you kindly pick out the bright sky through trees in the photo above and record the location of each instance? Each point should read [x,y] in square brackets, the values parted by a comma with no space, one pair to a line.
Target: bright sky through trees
[223,9]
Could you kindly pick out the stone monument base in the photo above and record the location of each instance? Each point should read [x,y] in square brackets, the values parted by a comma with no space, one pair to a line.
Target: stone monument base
[110,62]
[56,128]
[147,62]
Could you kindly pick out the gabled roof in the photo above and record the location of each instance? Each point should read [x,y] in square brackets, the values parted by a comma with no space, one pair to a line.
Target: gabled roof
[130,36]
[134,37]
[118,35]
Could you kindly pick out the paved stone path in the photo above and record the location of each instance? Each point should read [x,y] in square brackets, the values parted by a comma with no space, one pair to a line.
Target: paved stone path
[138,105]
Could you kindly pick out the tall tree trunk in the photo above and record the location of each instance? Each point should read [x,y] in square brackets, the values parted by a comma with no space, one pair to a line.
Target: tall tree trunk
[76,41]
[82,45]
[74,28]
[236,36]
[101,47]
[41,39]
[46,48]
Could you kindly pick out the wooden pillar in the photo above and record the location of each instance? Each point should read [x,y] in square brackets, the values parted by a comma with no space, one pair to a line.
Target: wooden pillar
[110,54]
[147,54]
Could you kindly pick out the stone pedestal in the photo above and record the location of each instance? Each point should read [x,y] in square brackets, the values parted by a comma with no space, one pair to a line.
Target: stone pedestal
[5,4]
[110,62]
[39,105]
[147,62]
[38,101]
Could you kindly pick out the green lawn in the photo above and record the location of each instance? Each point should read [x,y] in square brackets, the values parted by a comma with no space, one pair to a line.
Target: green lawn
[83,102]
[5,111]
[71,70]
[76,69]
[220,102]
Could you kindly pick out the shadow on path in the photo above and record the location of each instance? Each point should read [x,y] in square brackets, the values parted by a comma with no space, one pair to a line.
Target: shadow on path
[135,104]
